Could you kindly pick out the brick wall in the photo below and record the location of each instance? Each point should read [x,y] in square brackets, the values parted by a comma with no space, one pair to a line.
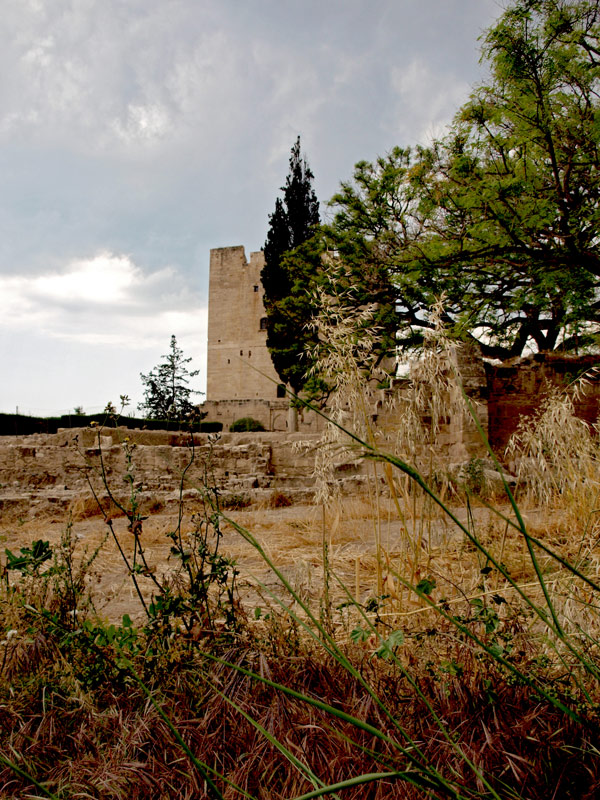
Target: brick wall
[516,389]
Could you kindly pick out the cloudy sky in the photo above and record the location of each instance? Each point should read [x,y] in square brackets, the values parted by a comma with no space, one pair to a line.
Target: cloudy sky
[136,135]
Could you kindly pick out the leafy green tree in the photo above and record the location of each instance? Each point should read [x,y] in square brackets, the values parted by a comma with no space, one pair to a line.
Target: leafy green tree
[166,391]
[291,268]
[501,217]
[369,234]
[521,180]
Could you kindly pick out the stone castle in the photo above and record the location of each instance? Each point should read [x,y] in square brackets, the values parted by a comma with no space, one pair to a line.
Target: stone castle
[241,380]
[239,366]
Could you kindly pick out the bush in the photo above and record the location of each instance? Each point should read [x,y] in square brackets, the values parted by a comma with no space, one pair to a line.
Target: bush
[235,501]
[211,427]
[279,500]
[246,424]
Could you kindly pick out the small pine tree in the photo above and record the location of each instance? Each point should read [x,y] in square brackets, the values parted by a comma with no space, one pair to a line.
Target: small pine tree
[166,393]
[286,280]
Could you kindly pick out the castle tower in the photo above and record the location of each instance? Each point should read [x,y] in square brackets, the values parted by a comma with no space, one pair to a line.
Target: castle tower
[237,329]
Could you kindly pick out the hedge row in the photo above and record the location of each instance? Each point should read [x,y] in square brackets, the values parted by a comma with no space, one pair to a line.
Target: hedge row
[20,425]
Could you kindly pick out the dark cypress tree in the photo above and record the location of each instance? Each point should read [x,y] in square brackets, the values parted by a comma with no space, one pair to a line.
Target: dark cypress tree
[287,280]
[301,202]
[274,280]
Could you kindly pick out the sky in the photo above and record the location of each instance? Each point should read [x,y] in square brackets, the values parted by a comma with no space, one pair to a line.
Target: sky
[136,135]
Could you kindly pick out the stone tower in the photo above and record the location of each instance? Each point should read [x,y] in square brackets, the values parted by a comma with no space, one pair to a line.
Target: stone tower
[237,334]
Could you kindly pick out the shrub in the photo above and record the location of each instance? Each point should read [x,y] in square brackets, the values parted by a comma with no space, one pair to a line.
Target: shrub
[211,427]
[279,500]
[235,501]
[246,424]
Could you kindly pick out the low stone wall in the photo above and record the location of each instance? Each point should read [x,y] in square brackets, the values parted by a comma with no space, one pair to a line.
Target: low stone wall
[59,466]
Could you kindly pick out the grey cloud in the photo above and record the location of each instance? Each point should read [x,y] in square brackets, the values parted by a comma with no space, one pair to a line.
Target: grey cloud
[156,130]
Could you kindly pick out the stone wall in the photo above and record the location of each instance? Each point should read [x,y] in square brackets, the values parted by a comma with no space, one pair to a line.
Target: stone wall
[52,470]
[515,390]
[233,462]
[458,438]
[502,394]
[275,415]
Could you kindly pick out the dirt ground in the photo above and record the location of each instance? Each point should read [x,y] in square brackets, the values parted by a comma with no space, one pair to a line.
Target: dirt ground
[292,537]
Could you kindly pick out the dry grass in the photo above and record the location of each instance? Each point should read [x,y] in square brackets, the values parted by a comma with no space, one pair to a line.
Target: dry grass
[292,537]
[113,744]
[470,650]
[108,741]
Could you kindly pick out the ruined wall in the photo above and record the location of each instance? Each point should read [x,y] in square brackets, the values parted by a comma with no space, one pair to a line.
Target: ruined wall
[273,414]
[464,439]
[236,337]
[501,395]
[58,465]
[458,438]
[516,389]
[45,472]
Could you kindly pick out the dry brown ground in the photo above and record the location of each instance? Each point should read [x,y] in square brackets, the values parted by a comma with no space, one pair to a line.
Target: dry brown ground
[292,537]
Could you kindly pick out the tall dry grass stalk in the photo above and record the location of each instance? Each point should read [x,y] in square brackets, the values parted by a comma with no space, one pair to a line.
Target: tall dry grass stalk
[430,399]
[557,458]
[557,452]
[348,360]
[406,421]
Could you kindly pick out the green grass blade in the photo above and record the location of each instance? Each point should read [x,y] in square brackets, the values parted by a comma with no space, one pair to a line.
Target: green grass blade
[23,774]
[202,768]
[407,469]
[369,777]
[304,769]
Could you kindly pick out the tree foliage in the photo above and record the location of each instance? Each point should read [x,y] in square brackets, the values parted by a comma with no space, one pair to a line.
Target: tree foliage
[166,391]
[501,217]
[291,265]
[368,236]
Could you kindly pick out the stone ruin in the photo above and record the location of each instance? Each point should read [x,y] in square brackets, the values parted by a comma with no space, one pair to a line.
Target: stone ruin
[51,471]
[43,471]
